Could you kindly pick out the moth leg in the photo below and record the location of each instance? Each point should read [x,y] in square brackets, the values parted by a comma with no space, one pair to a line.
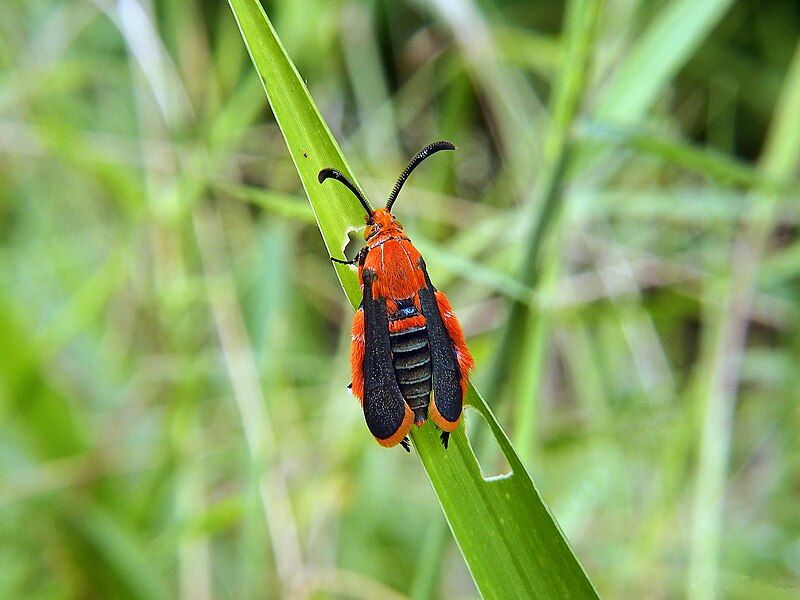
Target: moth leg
[445,437]
[406,443]
[358,259]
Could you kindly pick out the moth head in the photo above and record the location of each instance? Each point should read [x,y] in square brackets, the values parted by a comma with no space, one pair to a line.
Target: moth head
[381,220]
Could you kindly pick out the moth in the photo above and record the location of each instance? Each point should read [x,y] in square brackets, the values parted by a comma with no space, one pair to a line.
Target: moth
[408,357]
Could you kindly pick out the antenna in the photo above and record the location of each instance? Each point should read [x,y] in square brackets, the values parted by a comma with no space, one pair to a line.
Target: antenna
[418,158]
[334,174]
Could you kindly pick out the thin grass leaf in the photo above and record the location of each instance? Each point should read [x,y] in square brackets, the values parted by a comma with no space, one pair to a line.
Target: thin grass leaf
[662,49]
[724,346]
[509,540]
[708,161]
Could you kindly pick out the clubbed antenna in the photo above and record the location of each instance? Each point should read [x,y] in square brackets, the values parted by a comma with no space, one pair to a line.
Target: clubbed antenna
[334,174]
[418,158]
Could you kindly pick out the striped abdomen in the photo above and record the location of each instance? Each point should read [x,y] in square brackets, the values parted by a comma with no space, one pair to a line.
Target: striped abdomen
[411,357]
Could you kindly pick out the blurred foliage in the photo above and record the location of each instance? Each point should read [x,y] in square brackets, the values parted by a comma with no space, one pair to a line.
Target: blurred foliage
[168,314]
[510,542]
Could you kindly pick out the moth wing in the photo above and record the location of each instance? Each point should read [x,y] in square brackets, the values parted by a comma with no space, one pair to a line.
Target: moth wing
[448,396]
[385,411]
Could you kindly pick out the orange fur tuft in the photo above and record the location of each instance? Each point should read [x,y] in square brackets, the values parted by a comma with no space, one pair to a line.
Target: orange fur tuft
[357,355]
[396,262]
[401,324]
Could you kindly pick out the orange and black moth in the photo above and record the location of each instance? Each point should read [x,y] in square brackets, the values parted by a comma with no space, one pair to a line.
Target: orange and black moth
[408,357]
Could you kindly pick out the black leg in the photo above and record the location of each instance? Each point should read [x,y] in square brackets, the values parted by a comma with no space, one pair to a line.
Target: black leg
[343,262]
[406,443]
[445,435]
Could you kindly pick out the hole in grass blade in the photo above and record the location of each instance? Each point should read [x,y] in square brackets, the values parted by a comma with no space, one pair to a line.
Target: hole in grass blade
[355,240]
[491,458]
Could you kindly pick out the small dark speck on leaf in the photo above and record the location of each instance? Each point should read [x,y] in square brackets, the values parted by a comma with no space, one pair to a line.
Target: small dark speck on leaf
[305,154]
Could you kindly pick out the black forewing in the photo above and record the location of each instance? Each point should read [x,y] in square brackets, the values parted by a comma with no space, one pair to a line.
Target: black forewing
[446,374]
[384,407]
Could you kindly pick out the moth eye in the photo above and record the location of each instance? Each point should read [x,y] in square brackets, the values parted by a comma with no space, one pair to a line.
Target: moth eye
[371,230]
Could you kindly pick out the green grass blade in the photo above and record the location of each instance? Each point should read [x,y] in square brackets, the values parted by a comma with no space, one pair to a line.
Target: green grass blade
[724,347]
[509,540]
[658,54]
[307,136]
[706,161]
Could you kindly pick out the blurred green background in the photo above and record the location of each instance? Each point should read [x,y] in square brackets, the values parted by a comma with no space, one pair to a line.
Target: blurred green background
[174,420]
